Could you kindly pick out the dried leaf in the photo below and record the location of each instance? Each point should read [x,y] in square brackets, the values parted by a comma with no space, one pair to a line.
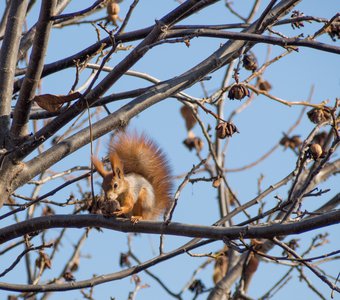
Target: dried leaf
[197,286]
[124,260]
[188,116]
[52,103]
[220,268]
[43,258]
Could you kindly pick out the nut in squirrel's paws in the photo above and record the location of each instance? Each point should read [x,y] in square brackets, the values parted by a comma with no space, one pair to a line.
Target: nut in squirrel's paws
[105,207]
[109,207]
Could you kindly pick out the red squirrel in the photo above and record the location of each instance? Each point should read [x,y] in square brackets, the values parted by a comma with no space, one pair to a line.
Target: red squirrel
[140,179]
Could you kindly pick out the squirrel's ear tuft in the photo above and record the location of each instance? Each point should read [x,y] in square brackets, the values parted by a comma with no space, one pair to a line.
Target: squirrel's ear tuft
[117,165]
[99,166]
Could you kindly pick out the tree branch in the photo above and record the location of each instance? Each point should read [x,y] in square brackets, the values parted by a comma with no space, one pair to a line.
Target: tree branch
[34,70]
[212,232]
[8,61]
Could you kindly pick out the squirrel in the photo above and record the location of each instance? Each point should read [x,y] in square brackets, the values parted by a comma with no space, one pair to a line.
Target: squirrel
[140,179]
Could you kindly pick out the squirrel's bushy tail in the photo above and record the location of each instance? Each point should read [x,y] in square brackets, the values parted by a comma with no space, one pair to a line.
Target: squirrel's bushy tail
[141,155]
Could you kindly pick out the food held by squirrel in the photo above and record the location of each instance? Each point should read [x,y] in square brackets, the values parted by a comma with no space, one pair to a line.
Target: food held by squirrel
[140,179]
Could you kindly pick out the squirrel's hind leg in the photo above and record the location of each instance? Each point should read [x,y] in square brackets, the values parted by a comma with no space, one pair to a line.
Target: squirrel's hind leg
[143,207]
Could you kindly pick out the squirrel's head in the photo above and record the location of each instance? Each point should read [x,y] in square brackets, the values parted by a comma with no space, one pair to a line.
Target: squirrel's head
[113,182]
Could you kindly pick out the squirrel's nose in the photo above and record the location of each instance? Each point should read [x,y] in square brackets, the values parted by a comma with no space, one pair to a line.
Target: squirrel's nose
[111,196]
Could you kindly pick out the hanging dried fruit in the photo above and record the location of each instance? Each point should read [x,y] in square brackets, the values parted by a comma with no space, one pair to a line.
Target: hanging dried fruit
[220,268]
[320,115]
[291,142]
[113,10]
[315,151]
[197,286]
[188,117]
[194,143]
[217,182]
[334,30]
[238,91]
[225,129]
[264,85]
[250,61]
[320,138]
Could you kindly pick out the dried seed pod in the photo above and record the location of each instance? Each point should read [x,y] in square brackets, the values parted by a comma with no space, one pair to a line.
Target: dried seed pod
[197,286]
[231,198]
[319,115]
[250,269]
[75,264]
[225,129]
[217,182]
[43,259]
[124,260]
[48,211]
[220,268]
[68,276]
[315,151]
[293,244]
[188,117]
[250,61]
[113,10]
[320,138]
[291,142]
[238,91]
[334,30]
[194,143]
[264,85]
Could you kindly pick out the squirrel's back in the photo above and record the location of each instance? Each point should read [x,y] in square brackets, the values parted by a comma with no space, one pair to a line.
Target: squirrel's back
[142,156]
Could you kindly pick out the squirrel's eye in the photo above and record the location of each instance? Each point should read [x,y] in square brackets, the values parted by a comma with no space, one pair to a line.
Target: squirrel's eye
[115,185]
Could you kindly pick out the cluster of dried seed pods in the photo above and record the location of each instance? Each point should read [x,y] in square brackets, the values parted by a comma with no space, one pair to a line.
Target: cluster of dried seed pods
[264,85]
[320,115]
[334,29]
[250,62]
[291,142]
[225,129]
[238,91]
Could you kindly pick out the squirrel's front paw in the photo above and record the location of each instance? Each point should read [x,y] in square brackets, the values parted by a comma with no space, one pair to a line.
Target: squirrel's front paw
[118,213]
[135,219]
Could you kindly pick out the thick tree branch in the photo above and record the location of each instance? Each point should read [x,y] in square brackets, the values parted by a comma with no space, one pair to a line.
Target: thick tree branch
[252,37]
[211,232]
[36,63]
[8,61]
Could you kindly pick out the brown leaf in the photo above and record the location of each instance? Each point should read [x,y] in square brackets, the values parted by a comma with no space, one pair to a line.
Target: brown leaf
[188,116]
[43,259]
[52,103]
[220,268]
